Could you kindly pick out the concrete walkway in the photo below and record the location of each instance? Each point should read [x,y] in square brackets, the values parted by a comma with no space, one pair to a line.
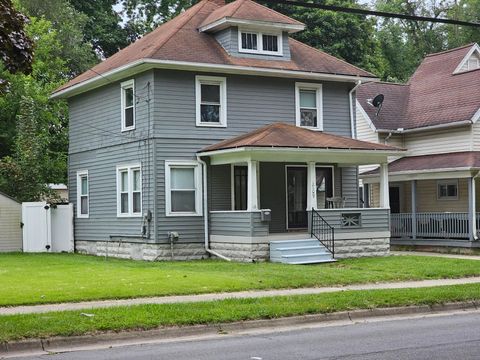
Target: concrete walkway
[233,295]
[434,254]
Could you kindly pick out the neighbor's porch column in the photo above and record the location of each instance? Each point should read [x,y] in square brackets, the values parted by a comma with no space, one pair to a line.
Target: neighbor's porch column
[311,186]
[384,193]
[472,211]
[414,208]
[252,187]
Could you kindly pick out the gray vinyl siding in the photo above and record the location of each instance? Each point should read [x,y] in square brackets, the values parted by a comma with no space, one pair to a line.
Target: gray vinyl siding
[228,38]
[102,176]
[273,194]
[95,116]
[371,219]
[98,145]
[219,187]
[238,224]
[350,186]
[252,102]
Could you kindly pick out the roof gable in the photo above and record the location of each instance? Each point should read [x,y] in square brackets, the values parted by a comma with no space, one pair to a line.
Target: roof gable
[472,56]
[178,43]
[434,96]
[249,11]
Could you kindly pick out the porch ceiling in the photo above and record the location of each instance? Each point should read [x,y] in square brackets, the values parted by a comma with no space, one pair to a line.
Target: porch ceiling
[280,142]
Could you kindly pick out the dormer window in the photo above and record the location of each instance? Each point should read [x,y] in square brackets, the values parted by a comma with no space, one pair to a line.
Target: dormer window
[260,43]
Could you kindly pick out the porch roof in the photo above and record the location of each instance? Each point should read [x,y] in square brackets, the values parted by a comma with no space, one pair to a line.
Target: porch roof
[285,142]
[287,135]
[424,166]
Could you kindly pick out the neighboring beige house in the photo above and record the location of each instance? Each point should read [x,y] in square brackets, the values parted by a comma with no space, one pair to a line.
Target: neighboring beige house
[61,190]
[434,193]
[10,224]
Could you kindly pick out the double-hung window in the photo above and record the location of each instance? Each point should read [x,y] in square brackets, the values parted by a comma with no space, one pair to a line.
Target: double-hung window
[211,101]
[308,100]
[83,210]
[447,189]
[128,105]
[129,190]
[183,188]
[239,187]
[259,43]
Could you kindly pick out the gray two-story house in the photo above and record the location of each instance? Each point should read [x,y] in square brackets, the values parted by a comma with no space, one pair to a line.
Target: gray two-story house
[218,134]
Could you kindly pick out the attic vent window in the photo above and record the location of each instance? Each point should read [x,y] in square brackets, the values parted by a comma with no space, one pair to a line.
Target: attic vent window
[260,43]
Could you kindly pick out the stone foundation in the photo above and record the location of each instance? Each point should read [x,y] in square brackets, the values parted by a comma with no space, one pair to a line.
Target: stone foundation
[362,245]
[242,252]
[141,251]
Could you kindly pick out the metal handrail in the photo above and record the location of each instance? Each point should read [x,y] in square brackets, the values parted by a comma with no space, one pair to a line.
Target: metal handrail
[323,231]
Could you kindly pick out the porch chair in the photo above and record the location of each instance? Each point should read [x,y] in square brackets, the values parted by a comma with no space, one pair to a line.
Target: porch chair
[336,202]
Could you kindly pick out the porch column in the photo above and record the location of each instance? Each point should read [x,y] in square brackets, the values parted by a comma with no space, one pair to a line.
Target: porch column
[414,208]
[472,211]
[252,188]
[311,186]
[384,192]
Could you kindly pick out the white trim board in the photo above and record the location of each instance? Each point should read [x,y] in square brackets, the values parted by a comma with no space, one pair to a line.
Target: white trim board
[475,48]
[138,66]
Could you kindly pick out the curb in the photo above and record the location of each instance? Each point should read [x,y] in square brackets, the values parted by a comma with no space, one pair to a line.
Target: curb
[109,339]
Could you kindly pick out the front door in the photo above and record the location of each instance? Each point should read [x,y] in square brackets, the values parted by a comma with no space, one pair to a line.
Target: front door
[297,197]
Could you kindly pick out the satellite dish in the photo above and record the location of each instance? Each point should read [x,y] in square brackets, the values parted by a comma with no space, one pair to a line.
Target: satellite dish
[378,102]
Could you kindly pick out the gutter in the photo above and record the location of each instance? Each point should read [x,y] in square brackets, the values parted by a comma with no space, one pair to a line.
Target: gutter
[147,63]
[350,99]
[427,128]
[205,213]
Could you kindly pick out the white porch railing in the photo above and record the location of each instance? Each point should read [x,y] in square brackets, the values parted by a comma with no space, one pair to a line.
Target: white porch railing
[431,225]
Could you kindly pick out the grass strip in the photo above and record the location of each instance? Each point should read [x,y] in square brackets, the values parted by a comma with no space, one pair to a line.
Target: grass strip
[68,323]
[52,278]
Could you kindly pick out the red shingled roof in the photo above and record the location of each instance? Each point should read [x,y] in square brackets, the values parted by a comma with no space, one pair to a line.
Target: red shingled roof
[287,135]
[433,95]
[459,160]
[180,40]
[248,10]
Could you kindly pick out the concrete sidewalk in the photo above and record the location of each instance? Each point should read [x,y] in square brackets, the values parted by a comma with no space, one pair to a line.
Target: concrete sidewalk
[233,295]
[434,254]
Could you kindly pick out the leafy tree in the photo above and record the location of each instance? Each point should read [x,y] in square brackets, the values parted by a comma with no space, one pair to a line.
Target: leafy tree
[16,49]
[69,25]
[36,152]
[103,28]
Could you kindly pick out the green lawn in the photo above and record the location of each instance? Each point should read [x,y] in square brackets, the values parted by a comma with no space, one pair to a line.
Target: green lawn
[69,323]
[50,278]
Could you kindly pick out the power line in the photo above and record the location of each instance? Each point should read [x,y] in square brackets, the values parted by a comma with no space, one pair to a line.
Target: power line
[371,12]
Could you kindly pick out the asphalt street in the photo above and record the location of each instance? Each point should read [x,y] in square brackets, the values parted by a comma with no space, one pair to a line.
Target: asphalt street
[441,337]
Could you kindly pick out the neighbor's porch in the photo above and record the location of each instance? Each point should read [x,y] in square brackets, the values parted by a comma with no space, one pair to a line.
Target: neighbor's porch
[433,208]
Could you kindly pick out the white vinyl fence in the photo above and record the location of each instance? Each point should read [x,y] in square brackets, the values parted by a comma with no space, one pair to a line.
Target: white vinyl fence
[47,228]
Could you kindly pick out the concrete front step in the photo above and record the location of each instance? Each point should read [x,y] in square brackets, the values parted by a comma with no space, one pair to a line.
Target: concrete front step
[303,251]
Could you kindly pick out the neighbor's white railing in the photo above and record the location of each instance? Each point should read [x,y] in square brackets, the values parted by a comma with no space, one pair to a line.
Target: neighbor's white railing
[431,225]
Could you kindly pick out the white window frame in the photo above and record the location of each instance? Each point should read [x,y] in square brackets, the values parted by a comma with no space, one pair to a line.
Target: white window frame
[211,80]
[130,84]
[81,174]
[260,50]
[447,182]
[319,97]
[130,169]
[169,164]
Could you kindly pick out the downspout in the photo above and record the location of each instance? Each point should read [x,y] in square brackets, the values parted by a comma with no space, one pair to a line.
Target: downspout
[205,212]
[352,117]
